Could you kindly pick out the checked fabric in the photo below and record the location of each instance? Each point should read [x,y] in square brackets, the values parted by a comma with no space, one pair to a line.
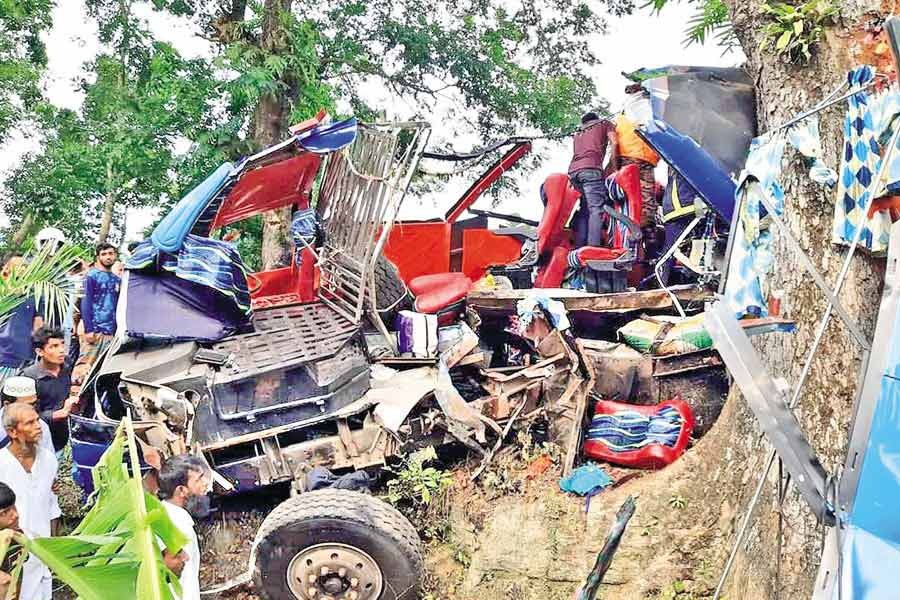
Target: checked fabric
[859,165]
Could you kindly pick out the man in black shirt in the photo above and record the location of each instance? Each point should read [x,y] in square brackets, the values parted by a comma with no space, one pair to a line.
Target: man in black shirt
[53,380]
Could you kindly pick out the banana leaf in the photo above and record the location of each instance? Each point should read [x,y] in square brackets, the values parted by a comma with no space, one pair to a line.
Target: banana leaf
[6,538]
[115,551]
[64,557]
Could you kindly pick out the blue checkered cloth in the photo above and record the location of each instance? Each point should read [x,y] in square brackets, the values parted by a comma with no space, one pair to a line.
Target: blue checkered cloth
[212,263]
[630,430]
[860,163]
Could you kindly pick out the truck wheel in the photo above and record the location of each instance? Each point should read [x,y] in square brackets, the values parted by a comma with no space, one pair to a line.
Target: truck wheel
[390,291]
[336,544]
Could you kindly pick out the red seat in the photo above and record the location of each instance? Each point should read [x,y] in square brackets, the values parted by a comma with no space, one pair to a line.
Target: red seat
[588,253]
[436,292]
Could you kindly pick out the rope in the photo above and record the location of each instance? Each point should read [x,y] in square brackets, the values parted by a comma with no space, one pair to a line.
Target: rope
[519,139]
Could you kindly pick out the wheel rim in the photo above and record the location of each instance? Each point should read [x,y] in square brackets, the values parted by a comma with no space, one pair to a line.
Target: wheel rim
[334,572]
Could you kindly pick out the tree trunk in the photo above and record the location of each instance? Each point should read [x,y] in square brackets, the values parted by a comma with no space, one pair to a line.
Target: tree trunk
[109,207]
[18,238]
[270,122]
[824,409]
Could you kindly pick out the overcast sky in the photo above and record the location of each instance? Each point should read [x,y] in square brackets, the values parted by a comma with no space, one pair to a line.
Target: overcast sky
[639,40]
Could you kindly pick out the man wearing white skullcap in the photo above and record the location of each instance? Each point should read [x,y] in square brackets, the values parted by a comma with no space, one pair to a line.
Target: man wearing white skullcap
[22,389]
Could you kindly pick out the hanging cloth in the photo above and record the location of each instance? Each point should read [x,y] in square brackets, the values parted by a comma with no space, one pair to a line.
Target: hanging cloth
[860,162]
[751,255]
[804,136]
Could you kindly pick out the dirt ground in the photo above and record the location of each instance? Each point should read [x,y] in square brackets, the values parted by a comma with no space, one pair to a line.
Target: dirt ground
[514,534]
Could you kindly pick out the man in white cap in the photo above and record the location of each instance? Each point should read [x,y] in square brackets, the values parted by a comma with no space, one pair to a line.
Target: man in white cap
[22,389]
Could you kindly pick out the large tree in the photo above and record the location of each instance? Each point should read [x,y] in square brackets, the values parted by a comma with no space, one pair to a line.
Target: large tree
[504,68]
[118,150]
[787,83]
[716,479]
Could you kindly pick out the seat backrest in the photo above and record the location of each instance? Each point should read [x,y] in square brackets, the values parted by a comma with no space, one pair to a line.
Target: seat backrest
[360,195]
[560,199]
[629,180]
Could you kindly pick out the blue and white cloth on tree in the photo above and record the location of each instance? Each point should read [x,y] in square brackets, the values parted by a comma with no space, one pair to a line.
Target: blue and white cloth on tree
[751,256]
[860,163]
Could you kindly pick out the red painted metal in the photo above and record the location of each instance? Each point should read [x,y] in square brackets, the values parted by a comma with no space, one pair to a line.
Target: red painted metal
[482,248]
[284,183]
[419,249]
[506,162]
[289,285]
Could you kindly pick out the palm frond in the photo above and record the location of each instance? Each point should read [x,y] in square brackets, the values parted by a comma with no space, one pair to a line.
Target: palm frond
[711,17]
[43,277]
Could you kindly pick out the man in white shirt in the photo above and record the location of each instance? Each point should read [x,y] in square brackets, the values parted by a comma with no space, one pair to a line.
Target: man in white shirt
[183,479]
[22,389]
[30,470]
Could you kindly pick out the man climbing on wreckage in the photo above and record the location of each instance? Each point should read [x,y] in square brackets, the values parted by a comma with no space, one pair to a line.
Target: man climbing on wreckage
[587,176]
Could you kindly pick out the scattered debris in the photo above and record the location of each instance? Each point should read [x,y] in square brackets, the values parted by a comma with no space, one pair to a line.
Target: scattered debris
[586,480]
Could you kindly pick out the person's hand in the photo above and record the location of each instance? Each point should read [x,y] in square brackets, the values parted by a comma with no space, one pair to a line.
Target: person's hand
[90,338]
[5,581]
[175,562]
[71,402]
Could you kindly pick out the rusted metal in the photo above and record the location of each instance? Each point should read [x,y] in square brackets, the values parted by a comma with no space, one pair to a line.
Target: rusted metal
[575,301]
[285,336]
[683,363]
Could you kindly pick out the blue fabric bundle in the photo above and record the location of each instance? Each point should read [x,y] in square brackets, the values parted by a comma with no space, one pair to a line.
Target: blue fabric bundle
[207,262]
[630,430]
[303,232]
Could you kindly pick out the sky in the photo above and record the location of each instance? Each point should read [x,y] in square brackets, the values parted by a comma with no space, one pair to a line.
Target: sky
[632,42]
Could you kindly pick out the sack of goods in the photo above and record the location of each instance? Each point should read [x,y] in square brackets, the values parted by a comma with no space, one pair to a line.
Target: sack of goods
[664,336]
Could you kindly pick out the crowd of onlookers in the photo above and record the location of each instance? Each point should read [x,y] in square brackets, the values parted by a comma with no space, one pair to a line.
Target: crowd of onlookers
[42,367]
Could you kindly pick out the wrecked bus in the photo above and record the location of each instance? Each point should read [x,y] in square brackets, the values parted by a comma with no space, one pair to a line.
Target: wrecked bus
[268,375]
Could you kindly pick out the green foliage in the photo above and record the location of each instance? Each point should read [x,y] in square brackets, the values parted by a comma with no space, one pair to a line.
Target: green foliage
[43,278]
[677,502]
[23,58]
[795,30]
[527,67]
[119,150]
[416,484]
[504,68]
[711,19]
[113,552]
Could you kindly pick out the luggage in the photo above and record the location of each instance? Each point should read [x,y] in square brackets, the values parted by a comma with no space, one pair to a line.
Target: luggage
[417,333]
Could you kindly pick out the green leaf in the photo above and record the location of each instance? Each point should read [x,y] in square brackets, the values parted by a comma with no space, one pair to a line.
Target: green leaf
[783,41]
[798,27]
[90,583]
[114,551]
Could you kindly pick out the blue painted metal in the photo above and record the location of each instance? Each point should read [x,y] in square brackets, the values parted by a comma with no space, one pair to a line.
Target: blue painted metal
[696,165]
[323,139]
[176,225]
[871,541]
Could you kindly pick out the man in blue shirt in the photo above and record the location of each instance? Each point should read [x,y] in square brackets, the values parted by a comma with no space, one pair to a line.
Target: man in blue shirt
[98,307]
